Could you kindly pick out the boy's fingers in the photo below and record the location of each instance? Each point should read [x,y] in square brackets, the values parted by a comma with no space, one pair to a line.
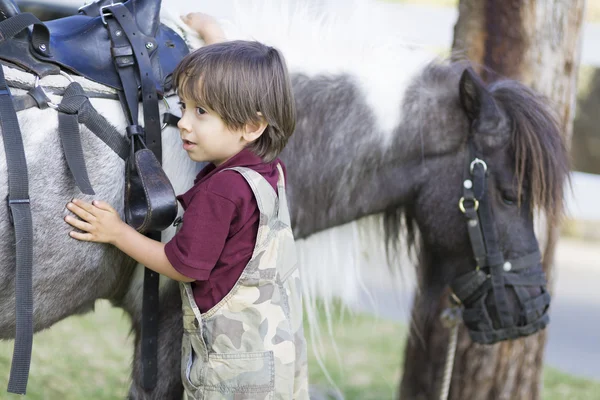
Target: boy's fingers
[86,237]
[84,204]
[103,205]
[80,212]
[77,223]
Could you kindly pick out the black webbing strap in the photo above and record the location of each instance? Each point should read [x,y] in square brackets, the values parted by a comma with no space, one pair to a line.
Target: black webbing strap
[40,38]
[86,114]
[128,43]
[70,137]
[103,129]
[20,211]
[494,257]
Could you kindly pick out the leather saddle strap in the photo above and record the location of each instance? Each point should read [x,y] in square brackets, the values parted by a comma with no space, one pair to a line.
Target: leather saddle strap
[70,137]
[20,213]
[170,119]
[138,46]
[35,97]
[128,43]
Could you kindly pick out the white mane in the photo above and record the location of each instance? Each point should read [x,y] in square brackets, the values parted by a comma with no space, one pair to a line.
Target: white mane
[357,39]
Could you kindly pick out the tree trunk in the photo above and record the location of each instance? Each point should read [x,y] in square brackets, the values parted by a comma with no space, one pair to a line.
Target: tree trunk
[585,147]
[538,43]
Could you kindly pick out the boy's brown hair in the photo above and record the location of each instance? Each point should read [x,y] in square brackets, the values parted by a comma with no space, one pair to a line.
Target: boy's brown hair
[238,79]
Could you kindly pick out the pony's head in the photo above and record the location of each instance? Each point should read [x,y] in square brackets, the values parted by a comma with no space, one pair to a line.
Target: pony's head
[494,157]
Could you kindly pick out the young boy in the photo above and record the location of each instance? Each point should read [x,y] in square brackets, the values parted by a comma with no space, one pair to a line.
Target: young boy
[234,253]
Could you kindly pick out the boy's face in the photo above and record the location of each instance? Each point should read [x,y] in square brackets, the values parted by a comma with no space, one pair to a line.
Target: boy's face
[206,137]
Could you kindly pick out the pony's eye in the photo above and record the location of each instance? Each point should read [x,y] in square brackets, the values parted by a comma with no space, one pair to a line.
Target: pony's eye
[509,199]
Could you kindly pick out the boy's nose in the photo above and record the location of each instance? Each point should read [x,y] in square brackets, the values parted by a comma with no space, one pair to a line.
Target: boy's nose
[182,123]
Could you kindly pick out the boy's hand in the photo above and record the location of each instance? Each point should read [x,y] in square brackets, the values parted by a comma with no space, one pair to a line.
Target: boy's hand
[206,26]
[99,221]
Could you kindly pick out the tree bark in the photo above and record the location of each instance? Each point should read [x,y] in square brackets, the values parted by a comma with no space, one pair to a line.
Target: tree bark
[538,43]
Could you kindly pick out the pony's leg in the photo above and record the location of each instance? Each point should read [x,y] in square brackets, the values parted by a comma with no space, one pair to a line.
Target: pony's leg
[170,332]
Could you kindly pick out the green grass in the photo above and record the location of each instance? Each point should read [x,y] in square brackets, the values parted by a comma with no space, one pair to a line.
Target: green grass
[88,357]
[560,386]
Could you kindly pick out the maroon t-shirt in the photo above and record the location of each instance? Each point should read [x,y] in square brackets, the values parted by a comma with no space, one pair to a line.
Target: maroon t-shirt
[219,228]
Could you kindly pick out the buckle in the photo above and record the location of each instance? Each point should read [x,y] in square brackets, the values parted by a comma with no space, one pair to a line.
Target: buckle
[133,130]
[475,162]
[178,221]
[104,14]
[10,202]
[37,84]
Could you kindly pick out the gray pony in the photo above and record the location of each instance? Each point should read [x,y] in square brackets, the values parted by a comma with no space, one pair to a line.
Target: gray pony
[390,142]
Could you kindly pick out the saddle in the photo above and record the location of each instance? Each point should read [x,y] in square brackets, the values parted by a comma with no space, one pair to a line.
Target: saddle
[80,44]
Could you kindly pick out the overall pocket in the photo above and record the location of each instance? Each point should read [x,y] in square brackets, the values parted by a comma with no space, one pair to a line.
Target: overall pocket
[190,369]
[244,375]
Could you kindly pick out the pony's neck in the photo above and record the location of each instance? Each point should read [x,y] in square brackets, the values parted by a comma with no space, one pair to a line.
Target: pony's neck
[358,180]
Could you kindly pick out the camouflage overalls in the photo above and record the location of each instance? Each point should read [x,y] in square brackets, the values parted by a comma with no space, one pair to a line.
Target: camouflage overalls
[251,344]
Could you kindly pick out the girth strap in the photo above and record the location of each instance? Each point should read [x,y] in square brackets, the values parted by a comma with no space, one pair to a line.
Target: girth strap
[18,202]
[20,213]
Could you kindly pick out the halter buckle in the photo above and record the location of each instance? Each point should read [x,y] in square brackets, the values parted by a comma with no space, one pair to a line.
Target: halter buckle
[475,162]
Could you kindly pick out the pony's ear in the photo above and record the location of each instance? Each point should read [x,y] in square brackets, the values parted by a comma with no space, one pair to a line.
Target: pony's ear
[489,124]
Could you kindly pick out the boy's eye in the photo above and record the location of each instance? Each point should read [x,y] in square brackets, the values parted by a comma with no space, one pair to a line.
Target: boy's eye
[200,110]
[181,105]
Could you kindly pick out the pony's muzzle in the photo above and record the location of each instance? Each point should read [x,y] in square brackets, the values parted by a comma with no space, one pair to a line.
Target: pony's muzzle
[528,301]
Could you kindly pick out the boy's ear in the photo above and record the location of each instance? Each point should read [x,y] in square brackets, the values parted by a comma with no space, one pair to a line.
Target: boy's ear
[253,130]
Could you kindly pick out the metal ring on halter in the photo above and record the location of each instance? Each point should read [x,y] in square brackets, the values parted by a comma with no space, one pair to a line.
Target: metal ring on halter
[37,84]
[478,161]
[461,204]
[164,124]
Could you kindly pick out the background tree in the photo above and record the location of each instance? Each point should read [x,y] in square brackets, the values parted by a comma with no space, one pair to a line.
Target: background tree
[538,43]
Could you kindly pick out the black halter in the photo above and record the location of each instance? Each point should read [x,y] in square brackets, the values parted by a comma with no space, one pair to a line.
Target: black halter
[493,273]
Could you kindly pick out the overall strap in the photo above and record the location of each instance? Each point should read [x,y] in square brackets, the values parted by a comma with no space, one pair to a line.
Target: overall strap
[188,300]
[263,192]
[283,213]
